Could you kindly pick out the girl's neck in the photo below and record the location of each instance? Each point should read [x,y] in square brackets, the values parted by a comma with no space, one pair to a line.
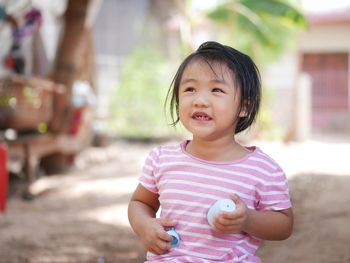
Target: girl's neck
[226,149]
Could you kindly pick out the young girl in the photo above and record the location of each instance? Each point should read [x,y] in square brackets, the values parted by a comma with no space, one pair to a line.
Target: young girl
[215,95]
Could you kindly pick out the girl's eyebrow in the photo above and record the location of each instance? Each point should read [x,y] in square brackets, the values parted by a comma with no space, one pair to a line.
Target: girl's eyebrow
[186,81]
[220,81]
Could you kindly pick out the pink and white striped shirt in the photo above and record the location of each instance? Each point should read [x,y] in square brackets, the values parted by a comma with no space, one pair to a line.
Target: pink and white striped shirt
[188,186]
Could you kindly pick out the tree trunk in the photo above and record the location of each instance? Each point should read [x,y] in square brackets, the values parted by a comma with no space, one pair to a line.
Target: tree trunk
[74,59]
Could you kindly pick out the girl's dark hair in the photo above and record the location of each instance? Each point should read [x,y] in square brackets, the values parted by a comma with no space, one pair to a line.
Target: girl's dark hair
[245,73]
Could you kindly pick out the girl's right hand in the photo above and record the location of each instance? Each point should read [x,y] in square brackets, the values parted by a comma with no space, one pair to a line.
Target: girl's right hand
[154,237]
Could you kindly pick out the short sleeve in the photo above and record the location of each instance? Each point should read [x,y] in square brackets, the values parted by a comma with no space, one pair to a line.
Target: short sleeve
[149,171]
[273,192]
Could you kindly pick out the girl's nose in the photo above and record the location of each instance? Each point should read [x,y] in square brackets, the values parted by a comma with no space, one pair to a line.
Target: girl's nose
[201,100]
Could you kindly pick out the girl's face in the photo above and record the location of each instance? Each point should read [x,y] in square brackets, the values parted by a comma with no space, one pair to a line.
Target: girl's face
[208,101]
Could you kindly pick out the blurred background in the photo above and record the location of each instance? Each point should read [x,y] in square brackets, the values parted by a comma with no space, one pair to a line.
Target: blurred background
[82,90]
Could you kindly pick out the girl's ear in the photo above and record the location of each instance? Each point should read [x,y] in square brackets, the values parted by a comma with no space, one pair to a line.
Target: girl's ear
[244,110]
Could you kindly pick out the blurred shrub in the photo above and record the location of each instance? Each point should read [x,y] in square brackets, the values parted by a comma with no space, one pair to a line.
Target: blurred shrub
[137,106]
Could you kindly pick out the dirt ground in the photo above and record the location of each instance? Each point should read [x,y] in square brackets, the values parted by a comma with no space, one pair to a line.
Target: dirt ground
[81,217]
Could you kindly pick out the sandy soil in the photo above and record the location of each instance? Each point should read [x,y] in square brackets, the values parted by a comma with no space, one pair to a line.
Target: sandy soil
[81,216]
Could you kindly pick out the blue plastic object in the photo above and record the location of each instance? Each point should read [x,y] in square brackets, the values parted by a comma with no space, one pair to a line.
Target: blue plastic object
[176,239]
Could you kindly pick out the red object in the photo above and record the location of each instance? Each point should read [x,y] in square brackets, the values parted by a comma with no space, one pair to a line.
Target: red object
[76,120]
[3,176]
[9,62]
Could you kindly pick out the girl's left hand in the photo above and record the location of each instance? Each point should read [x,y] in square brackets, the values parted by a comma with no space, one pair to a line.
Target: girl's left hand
[232,222]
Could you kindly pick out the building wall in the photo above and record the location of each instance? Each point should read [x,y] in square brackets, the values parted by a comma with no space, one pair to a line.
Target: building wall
[282,76]
[326,38]
[330,41]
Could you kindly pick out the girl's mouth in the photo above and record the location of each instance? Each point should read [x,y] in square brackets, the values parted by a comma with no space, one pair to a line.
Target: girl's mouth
[201,116]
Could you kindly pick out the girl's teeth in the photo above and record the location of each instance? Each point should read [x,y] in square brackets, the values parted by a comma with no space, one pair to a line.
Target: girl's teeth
[202,118]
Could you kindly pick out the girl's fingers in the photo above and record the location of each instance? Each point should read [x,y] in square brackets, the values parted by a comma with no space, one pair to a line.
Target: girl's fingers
[164,235]
[160,240]
[229,216]
[167,222]
[225,222]
[235,198]
[161,246]
[156,250]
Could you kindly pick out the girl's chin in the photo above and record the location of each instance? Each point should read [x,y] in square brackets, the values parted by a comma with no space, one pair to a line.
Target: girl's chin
[201,123]
[201,128]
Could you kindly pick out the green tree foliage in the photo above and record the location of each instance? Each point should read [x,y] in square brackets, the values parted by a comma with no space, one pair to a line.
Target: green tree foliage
[263,29]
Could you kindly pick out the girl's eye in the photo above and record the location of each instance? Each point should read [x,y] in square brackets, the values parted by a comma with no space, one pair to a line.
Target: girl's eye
[217,90]
[189,89]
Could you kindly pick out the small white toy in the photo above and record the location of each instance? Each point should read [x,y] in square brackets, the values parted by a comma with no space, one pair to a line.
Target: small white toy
[226,205]
[176,239]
